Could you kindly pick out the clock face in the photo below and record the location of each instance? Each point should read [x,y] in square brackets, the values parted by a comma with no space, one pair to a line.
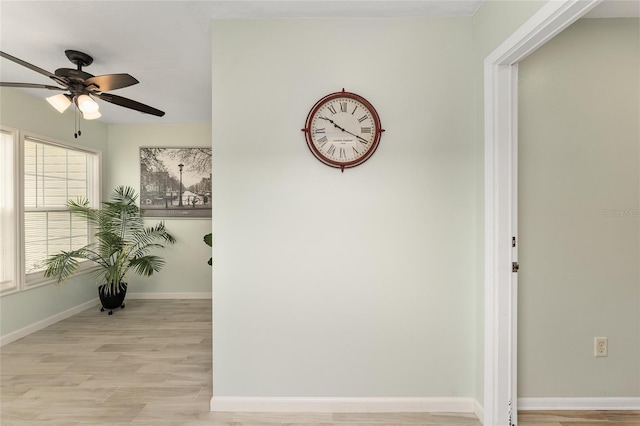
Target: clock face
[343,130]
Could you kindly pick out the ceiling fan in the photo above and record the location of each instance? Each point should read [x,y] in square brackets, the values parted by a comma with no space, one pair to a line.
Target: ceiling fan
[82,87]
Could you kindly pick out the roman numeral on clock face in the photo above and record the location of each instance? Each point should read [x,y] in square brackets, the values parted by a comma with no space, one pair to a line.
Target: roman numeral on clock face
[331,150]
[322,141]
[343,107]
[365,129]
[332,109]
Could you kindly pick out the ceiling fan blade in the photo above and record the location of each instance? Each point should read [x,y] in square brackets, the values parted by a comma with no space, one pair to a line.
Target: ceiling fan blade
[31,86]
[34,68]
[128,103]
[108,82]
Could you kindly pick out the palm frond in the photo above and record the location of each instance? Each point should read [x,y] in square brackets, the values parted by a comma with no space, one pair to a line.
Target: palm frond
[142,240]
[147,265]
[125,195]
[61,266]
[64,264]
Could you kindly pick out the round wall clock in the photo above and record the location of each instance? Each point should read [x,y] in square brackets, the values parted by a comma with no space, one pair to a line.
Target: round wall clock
[343,130]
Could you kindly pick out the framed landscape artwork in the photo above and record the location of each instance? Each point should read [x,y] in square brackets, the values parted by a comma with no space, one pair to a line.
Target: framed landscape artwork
[175,182]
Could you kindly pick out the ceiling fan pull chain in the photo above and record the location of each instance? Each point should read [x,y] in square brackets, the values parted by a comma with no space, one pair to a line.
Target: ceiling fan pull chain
[75,122]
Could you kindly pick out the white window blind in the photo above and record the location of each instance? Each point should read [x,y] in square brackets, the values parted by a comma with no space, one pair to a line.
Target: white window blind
[8,217]
[53,174]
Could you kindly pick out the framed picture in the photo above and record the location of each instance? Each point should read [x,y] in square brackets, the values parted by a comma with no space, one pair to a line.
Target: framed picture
[175,182]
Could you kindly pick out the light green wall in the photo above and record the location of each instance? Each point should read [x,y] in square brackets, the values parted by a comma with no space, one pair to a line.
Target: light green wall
[186,269]
[25,112]
[496,20]
[493,23]
[579,137]
[344,284]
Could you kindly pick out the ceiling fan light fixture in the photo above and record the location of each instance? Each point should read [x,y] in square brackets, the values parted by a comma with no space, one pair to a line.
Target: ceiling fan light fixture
[60,102]
[91,115]
[87,105]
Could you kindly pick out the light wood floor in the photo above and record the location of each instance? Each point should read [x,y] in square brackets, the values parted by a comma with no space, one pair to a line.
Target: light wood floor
[150,364]
[579,418]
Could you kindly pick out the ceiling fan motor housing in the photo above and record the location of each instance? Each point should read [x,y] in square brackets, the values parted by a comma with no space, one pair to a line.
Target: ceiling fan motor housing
[73,75]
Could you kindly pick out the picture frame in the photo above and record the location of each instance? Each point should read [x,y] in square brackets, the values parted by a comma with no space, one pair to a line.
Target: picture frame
[175,182]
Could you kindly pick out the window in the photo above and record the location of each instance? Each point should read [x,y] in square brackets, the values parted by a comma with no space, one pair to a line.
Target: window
[53,174]
[37,177]
[8,216]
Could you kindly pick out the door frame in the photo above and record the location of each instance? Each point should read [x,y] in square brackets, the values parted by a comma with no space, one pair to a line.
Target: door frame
[500,202]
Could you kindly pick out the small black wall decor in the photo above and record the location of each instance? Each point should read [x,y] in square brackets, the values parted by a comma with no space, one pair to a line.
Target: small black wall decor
[175,182]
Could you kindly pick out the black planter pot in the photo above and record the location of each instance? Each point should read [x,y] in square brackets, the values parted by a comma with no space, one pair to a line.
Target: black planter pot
[111,301]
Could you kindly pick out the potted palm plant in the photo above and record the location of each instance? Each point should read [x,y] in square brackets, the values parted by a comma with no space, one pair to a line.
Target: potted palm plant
[122,243]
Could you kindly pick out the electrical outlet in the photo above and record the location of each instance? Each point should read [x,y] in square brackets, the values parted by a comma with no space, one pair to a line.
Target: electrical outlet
[601,346]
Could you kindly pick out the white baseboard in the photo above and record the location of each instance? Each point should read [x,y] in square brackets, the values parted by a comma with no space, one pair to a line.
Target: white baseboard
[32,328]
[605,403]
[478,410]
[342,405]
[168,295]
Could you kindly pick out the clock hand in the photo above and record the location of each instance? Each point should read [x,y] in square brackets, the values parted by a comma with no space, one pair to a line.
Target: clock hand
[332,122]
[335,125]
[353,134]
[344,130]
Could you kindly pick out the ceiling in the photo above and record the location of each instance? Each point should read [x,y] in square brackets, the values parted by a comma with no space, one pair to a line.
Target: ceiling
[166,45]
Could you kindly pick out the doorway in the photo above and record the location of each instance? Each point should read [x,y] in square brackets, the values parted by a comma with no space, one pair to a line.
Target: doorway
[500,183]
[578,227]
